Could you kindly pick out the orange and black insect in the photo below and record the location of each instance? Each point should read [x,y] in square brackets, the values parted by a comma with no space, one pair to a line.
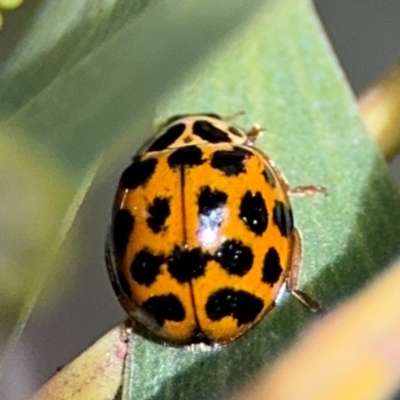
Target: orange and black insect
[202,239]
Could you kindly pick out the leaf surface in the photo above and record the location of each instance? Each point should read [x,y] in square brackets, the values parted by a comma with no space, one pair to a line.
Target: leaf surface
[282,73]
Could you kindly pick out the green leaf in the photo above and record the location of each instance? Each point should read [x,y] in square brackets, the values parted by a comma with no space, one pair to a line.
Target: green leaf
[282,72]
[86,76]
[65,33]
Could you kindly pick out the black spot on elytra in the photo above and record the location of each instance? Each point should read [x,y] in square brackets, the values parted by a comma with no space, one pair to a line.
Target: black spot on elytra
[167,138]
[235,257]
[185,265]
[158,211]
[272,268]
[283,218]
[230,162]
[145,267]
[189,156]
[210,133]
[165,308]
[238,304]
[122,229]
[269,177]
[235,131]
[209,200]
[138,173]
[253,212]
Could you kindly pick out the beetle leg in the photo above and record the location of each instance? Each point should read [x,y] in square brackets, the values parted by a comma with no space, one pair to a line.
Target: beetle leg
[292,278]
[234,115]
[253,134]
[306,190]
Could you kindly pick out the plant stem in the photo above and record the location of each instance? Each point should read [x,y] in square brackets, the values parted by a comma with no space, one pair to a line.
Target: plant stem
[380,110]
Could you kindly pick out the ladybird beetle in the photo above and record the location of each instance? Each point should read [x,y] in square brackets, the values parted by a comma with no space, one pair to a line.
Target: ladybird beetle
[202,239]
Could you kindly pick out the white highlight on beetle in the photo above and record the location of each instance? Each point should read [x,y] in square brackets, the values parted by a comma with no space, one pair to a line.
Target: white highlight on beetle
[209,226]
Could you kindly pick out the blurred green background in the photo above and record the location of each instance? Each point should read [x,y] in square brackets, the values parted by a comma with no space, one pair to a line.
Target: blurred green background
[366,37]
